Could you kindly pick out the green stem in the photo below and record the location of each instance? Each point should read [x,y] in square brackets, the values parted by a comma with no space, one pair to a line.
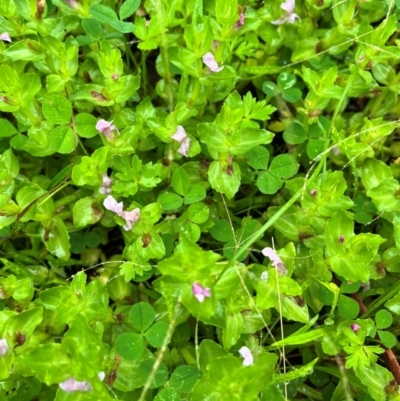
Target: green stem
[144,73]
[67,199]
[187,355]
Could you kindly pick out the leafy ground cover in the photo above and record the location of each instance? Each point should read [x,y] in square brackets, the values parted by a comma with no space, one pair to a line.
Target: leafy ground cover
[199,200]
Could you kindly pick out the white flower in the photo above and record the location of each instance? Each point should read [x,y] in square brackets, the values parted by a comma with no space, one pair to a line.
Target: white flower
[211,63]
[3,347]
[105,186]
[247,356]
[181,137]
[70,385]
[264,276]
[5,37]
[290,16]
[200,292]
[107,129]
[130,216]
[275,259]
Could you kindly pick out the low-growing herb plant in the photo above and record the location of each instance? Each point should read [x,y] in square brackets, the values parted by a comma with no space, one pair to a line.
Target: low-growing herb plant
[199,200]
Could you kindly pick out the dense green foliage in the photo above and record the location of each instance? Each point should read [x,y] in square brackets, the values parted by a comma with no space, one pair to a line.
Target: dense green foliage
[199,200]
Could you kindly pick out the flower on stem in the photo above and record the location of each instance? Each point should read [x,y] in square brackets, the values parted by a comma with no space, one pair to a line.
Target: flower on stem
[3,347]
[70,385]
[105,186]
[5,37]
[106,128]
[130,216]
[72,3]
[181,137]
[290,16]
[247,356]
[211,63]
[275,259]
[200,292]
[355,327]
[240,23]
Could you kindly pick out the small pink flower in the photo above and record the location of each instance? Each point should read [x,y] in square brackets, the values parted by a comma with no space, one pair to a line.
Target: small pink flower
[5,37]
[70,385]
[240,23]
[313,192]
[72,3]
[105,186]
[247,356]
[290,16]
[275,259]
[3,347]
[115,76]
[111,204]
[211,63]
[181,136]
[355,327]
[200,292]
[106,128]
[130,217]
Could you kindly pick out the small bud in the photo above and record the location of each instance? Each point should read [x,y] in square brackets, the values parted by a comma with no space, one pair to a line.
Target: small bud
[313,192]
[248,359]
[355,327]
[341,239]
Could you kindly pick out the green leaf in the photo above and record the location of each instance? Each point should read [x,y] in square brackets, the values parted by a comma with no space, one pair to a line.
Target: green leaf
[86,212]
[170,201]
[6,129]
[383,319]
[348,307]
[222,231]
[128,8]
[167,394]
[286,80]
[92,27]
[292,95]
[195,194]
[180,181]
[103,13]
[55,237]
[142,316]
[161,376]
[388,339]
[57,109]
[156,334]
[270,89]
[85,125]
[198,213]
[184,377]
[224,181]
[294,133]
[269,184]
[130,346]
[62,139]
[258,157]
[283,166]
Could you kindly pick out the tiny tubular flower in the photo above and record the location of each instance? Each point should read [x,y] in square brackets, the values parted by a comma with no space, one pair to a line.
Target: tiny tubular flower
[130,217]
[71,385]
[200,292]
[3,347]
[5,37]
[181,137]
[247,356]
[72,3]
[211,63]
[111,204]
[355,327]
[240,23]
[105,186]
[106,128]
[275,259]
[290,16]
